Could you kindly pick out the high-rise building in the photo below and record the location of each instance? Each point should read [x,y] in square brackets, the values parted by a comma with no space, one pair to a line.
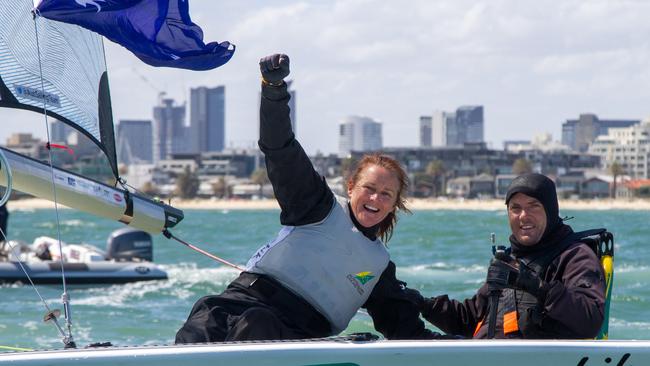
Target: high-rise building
[59,131]
[468,126]
[579,133]
[170,135]
[629,147]
[443,128]
[207,119]
[359,134]
[425,131]
[452,129]
[134,141]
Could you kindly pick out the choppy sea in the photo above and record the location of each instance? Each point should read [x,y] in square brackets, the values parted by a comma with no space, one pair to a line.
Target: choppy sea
[437,252]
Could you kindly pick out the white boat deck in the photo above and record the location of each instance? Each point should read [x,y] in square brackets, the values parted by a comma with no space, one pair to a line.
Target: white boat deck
[348,353]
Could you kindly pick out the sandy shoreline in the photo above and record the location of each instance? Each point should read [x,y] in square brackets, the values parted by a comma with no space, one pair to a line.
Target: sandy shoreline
[413,204]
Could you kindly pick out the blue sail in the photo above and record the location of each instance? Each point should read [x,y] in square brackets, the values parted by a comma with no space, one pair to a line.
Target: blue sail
[158,32]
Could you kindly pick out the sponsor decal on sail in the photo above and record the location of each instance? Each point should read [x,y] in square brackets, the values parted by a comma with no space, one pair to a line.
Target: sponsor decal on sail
[37,95]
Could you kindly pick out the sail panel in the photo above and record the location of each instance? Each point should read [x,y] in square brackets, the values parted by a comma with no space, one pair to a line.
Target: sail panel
[73,67]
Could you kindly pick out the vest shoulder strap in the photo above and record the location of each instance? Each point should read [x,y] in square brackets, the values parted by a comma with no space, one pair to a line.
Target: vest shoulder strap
[594,238]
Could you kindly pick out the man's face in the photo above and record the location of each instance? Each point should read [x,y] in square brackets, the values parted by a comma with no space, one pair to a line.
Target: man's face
[527,219]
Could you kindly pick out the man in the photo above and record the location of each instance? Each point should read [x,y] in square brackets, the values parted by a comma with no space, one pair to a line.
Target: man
[551,286]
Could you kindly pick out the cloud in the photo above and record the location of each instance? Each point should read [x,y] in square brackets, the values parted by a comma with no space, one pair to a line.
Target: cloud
[394,61]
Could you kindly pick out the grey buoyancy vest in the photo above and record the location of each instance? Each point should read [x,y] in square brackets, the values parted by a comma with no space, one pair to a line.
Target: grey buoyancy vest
[330,264]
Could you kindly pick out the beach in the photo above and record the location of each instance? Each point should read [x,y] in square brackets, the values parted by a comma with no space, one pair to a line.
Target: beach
[413,204]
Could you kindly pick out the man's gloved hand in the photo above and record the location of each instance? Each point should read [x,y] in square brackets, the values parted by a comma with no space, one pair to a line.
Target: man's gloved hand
[502,274]
[274,69]
[530,282]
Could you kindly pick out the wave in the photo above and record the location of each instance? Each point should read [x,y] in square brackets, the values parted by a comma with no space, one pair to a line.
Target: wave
[186,280]
[630,268]
[441,267]
[615,322]
[69,223]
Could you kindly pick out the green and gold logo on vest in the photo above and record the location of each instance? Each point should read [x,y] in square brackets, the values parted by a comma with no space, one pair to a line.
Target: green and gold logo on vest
[364,277]
[359,279]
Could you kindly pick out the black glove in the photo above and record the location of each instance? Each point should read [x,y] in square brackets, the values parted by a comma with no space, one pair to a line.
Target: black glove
[274,68]
[501,275]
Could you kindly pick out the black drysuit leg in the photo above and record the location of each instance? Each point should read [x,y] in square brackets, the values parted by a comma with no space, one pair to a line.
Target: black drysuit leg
[221,318]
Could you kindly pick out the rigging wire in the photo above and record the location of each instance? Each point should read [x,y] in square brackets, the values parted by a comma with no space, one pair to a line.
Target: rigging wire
[169,235]
[29,278]
[65,299]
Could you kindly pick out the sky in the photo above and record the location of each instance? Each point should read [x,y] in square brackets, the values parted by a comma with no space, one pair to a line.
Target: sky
[531,64]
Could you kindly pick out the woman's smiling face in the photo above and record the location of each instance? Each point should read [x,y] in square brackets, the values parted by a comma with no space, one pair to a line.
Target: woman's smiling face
[373,195]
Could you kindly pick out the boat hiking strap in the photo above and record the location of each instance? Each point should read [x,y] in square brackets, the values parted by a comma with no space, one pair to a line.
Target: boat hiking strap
[169,235]
[19,349]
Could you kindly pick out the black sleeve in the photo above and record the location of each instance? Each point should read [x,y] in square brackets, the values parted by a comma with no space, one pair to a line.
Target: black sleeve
[576,298]
[302,193]
[393,314]
[455,317]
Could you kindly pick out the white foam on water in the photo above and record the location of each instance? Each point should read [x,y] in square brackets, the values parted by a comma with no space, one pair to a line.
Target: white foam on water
[614,322]
[24,209]
[78,223]
[191,273]
[440,267]
[182,277]
[629,268]
[31,325]
[474,268]
[68,223]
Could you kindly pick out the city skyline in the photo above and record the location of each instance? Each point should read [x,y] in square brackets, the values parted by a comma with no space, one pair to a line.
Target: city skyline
[532,65]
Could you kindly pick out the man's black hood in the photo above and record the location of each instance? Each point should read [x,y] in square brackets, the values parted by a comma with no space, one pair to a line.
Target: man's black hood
[541,188]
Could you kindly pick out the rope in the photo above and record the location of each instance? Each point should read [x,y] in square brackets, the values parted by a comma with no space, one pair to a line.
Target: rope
[169,235]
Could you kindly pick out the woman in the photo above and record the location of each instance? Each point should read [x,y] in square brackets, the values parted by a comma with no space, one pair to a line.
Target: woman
[327,261]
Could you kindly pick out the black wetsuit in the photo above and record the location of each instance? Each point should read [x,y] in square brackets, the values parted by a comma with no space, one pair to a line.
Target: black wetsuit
[256,307]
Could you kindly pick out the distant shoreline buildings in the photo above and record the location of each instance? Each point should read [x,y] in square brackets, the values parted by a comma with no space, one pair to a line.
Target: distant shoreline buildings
[452,158]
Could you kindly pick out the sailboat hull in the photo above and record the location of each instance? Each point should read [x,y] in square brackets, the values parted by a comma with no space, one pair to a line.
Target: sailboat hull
[338,353]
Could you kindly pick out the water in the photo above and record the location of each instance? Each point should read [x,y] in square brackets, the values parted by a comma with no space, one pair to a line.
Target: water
[436,252]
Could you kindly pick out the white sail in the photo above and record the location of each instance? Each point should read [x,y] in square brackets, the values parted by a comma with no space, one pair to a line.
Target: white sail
[59,70]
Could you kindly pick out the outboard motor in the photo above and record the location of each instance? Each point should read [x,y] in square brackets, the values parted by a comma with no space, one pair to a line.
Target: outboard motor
[129,245]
